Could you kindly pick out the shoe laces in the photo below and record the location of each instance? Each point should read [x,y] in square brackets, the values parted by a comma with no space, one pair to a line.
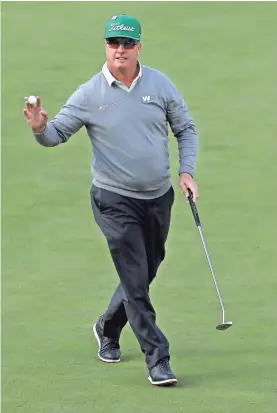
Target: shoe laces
[110,343]
[164,364]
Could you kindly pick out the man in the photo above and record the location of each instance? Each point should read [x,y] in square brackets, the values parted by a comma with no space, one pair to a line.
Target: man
[126,109]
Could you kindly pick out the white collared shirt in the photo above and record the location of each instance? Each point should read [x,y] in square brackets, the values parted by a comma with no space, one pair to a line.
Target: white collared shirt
[110,79]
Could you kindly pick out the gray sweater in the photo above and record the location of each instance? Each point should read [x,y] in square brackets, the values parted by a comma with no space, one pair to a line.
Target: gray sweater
[129,132]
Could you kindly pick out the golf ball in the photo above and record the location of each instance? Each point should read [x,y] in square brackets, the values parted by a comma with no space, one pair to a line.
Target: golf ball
[32,100]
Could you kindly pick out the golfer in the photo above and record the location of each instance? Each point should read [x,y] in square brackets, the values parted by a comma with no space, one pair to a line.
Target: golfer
[126,109]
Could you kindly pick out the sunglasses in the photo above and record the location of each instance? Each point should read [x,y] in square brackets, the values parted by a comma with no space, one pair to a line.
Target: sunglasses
[126,43]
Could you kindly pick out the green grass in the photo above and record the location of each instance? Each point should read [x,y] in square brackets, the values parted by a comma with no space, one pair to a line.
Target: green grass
[57,276]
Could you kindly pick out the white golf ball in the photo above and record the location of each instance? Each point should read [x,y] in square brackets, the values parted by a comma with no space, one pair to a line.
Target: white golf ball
[32,100]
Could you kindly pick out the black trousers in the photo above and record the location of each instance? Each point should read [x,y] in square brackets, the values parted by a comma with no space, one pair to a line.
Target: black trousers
[136,231]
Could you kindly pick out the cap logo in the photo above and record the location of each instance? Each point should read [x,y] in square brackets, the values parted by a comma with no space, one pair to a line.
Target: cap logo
[114,17]
[121,27]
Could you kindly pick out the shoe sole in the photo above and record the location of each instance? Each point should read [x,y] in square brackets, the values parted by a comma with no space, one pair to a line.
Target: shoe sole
[167,382]
[99,346]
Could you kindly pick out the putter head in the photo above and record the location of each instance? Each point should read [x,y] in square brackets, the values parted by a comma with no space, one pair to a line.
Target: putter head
[224,326]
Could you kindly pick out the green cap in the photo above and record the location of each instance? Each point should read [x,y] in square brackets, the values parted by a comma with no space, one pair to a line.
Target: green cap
[123,26]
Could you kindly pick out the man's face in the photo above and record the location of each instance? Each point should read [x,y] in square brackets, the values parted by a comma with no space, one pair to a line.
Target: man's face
[122,52]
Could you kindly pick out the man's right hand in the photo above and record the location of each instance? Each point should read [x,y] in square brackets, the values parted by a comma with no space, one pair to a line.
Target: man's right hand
[35,116]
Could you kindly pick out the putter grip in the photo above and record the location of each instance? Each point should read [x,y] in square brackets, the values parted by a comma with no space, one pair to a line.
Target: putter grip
[194,209]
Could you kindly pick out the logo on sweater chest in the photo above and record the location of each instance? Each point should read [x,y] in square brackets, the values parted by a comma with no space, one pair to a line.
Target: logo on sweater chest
[149,99]
[115,105]
[109,105]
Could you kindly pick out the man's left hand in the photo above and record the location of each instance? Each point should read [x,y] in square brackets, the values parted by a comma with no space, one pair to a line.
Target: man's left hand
[186,182]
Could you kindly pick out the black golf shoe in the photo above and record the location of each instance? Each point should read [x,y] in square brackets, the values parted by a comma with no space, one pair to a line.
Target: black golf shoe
[109,350]
[161,374]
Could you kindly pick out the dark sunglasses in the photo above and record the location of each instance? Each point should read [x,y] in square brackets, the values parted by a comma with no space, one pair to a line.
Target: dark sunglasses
[126,43]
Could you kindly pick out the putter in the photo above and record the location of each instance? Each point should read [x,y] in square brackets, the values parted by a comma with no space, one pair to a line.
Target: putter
[225,324]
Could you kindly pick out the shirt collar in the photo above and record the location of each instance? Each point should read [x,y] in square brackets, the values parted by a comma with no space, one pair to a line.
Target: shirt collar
[109,77]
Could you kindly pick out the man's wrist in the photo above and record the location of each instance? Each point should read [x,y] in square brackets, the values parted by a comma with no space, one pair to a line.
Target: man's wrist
[39,130]
[186,173]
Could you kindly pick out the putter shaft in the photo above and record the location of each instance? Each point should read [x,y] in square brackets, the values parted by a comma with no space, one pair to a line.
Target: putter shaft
[212,271]
[224,324]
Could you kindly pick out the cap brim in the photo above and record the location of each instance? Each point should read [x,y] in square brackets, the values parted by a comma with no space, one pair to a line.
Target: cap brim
[123,36]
